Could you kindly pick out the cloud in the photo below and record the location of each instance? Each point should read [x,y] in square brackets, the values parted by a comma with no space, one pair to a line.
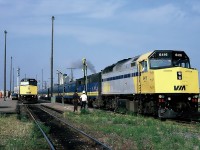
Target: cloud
[89,8]
[39,8]
[34,19]
[105,10]
[195,6]
[28,15]
[95,36]
[162,14]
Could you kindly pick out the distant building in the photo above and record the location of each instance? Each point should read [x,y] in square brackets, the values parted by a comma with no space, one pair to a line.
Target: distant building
[16,89]
[66,78]
[2,93]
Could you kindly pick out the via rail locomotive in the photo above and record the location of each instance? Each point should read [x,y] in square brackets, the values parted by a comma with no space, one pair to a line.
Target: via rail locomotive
[28,90]
[160,83]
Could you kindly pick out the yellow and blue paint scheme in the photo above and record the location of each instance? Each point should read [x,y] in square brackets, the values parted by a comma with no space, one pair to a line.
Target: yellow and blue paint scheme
[158,80]
[28,90]
[154,83]
[166,80]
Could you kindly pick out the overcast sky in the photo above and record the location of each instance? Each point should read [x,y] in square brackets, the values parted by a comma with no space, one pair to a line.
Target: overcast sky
[102,31]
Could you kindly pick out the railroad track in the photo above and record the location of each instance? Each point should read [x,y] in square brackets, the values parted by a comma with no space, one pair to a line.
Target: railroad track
[62,134]
[51,146]
[193,119]
[186,121]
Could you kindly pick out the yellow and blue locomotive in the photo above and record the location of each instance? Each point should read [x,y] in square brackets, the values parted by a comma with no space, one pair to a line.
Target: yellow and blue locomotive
[161,82]
[28,90]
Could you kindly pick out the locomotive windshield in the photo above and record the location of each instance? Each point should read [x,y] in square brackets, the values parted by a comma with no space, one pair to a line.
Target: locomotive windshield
[29,82]
[33,82]
[166,59]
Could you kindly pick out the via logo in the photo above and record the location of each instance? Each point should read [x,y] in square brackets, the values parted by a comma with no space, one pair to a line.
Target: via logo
[179,88]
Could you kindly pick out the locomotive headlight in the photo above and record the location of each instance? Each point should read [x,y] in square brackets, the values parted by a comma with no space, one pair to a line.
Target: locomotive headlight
[169,98]
[161,96]
[189,98]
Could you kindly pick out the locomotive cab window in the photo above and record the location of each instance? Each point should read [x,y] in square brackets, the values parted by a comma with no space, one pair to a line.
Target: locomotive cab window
[160,63]
[34,82]
[144,67]
[28,82]
[181,63]
[167,59]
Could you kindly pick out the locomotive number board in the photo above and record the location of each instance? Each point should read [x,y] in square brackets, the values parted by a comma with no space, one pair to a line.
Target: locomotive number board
[168,54]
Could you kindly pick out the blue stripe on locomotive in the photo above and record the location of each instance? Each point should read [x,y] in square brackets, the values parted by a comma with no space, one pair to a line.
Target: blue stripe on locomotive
[69,89]
[91,87]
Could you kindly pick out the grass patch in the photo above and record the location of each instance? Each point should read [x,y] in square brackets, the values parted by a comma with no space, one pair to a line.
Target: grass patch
[84,112]
[136,132]
[20,134]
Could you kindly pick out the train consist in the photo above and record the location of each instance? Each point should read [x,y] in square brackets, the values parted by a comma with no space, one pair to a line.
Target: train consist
[160,83]
[28,91]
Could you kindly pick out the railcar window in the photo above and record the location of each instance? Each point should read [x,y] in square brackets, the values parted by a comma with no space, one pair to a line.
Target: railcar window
[133,64]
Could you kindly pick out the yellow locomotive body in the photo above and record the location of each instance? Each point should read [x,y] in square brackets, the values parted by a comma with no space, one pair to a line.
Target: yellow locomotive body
[166,85]
[28,90]
[165,81]
[161,83]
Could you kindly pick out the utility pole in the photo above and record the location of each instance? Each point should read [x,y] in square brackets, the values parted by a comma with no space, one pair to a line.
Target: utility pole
[59,73]
[18,78]
[85,74]
[53,18]
[42,80]
[13,80]
[45,84]
[63,92]
[5,68]
[11,76]
[58,81]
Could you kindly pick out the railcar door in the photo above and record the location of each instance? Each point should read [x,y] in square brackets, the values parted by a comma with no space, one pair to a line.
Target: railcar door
[142,77]
[142,84]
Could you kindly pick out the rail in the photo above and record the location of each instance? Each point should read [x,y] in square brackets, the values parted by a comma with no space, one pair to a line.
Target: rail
[41,130]
[105,147]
